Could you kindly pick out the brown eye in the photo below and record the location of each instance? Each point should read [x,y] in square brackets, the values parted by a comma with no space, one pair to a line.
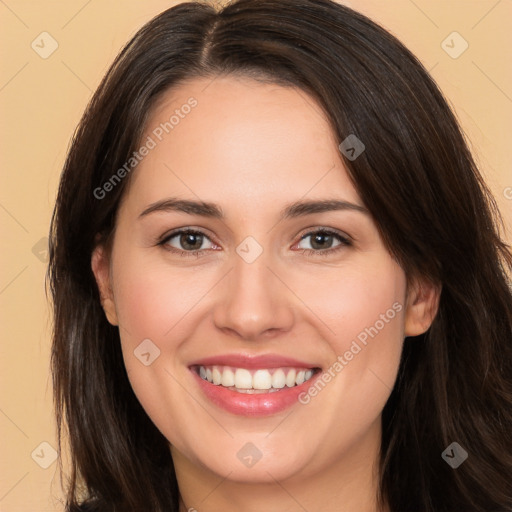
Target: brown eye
[184,241]
[323,241]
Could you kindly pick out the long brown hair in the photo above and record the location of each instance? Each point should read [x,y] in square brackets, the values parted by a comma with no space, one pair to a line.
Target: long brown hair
[420,183]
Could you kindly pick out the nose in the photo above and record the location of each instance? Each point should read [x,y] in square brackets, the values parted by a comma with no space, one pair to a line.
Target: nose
[254,303]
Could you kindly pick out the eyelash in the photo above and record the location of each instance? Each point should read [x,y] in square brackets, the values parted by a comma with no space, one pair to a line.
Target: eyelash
[344,242]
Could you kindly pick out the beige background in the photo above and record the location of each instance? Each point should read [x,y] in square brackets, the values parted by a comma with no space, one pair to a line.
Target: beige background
[41,101]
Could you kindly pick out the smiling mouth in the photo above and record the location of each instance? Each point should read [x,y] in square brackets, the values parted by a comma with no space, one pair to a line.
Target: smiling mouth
[255,381]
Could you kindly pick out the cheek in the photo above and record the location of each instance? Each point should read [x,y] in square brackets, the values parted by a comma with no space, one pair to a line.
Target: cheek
[352,299]
[152,299]
[363,308]
[154,305]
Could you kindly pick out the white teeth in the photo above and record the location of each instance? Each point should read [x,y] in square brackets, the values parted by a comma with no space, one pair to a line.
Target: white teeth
[251,381]
[228,378]
[243,379]
[279,379]
[216,376]
[262,380]
[290,379]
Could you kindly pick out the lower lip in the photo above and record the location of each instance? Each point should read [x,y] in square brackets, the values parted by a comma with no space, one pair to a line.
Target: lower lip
[244,404]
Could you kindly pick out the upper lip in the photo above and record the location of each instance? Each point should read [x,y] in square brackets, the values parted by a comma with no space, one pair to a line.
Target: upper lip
[251,361]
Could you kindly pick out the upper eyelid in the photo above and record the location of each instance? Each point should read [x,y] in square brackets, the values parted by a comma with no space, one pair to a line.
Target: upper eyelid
[310,231]
[171,234]
[302,234]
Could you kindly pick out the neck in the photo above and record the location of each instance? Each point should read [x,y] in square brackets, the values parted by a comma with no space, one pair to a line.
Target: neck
[347,484]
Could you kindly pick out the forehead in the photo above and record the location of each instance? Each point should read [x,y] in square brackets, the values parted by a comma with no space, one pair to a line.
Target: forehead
[242,140]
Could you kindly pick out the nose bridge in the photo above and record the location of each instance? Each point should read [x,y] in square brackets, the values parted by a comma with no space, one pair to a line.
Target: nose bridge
[254,300]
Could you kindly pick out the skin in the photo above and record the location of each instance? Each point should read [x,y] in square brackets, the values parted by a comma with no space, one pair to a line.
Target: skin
[253,148]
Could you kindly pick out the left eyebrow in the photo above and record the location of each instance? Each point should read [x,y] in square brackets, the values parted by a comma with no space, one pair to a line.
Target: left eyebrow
[302,208]
[212,210]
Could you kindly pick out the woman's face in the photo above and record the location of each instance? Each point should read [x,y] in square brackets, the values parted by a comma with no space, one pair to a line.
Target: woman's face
[273,285]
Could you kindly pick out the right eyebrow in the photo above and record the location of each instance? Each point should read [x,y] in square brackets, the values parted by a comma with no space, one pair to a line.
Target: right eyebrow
[182,205]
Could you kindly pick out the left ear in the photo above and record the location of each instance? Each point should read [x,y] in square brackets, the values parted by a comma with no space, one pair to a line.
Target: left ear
[101,269]
[422,304]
